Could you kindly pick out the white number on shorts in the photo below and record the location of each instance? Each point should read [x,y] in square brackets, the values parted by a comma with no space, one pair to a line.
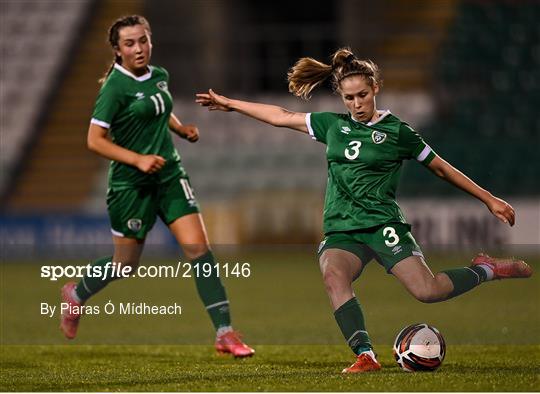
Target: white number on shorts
[188,191]
[354,150]
[390,232]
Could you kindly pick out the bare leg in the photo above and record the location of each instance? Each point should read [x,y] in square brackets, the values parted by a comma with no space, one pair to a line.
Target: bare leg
[127,251]
[418,279]
[190,234]
[339,269]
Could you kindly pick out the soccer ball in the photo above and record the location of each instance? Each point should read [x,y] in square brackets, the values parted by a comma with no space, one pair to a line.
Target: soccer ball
[419,347]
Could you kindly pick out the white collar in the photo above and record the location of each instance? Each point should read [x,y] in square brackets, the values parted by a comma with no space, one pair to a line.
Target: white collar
[382,114]
[142,78]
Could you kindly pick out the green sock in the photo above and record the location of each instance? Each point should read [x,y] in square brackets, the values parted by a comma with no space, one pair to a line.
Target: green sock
[350,319]
[211,291]
[90,285]
[465,279]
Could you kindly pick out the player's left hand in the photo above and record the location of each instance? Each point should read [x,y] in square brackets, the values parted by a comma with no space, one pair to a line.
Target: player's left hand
[500,208]
[189,132]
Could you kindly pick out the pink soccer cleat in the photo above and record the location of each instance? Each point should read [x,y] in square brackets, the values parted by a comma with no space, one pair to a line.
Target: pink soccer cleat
[504,268]
[230,342]
[365,362]
[69,320]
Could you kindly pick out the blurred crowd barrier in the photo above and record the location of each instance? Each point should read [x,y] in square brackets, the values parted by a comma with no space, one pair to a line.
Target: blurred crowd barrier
[290,218]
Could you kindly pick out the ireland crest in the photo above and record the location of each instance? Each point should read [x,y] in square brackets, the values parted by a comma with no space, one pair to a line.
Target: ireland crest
[378,137]
[134,224]
[162,85]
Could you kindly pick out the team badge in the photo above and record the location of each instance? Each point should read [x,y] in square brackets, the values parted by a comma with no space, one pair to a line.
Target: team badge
[134,224]
[162,85]
[378,137]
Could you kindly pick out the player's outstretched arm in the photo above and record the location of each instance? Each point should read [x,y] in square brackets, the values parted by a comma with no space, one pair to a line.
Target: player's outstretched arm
[500,208]
[99,143]
[189,132]
[271,114]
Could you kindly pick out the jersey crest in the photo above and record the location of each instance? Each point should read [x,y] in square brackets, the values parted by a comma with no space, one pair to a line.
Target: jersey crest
[378,137]
[162,85]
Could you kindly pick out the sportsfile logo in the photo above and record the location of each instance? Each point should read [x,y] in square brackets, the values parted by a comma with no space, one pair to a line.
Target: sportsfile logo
[118,270]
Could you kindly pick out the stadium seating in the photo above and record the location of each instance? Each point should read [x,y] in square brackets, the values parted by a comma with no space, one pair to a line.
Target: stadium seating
[58,171]
[478,73]
[485,67]
[488,92]
[34,39]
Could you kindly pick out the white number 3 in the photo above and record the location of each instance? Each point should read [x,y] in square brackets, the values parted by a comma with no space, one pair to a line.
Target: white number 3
[354,150]
[390,232]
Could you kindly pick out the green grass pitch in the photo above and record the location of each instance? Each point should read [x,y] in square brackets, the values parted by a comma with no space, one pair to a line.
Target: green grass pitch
[274,368]
[492,333]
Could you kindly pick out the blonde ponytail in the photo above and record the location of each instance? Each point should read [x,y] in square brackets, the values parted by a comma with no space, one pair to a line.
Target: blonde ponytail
[308,73]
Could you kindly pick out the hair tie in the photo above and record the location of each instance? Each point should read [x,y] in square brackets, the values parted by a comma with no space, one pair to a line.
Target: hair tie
[348,60]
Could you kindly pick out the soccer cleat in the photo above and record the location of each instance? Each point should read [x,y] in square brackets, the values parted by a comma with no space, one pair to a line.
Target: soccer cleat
[504,268]
[365,362]
[69,319]
[230,342]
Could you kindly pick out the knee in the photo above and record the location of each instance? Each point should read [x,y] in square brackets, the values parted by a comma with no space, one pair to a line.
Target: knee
[195,251]
[425,298]
[425,294]
[334,279]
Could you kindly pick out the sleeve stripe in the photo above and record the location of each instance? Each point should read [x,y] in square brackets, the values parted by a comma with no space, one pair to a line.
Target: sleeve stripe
[100,123]
[310,129]
[424,154]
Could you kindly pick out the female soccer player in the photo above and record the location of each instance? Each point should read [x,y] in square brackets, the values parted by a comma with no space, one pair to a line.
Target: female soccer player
[146,177]
[362,221]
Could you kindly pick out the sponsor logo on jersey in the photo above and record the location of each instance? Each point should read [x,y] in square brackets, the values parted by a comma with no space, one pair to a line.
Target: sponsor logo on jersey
[139,95]
[378,137]
[134,224]
[162,85]
[345,129]
[397,249]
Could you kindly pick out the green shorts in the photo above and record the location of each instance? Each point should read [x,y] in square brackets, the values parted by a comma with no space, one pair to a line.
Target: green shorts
[388,244]
[133,211]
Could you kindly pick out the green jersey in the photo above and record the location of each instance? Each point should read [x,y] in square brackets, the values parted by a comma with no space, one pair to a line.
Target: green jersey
[136,111]
[364,163]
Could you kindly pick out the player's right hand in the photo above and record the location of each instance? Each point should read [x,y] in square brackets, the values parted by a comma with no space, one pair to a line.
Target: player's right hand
[150,164]
[502,210]
[213,101]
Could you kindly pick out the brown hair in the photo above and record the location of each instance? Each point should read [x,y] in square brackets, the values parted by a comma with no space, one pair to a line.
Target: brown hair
[308,73]
[114,36]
